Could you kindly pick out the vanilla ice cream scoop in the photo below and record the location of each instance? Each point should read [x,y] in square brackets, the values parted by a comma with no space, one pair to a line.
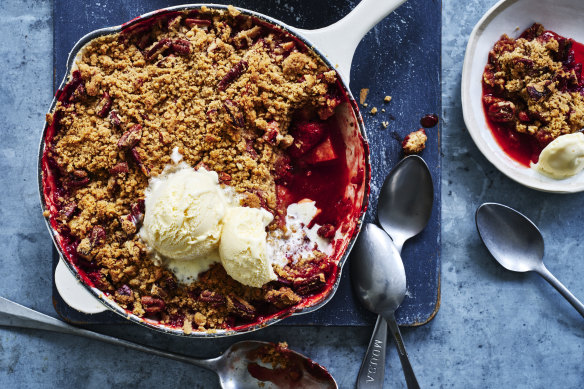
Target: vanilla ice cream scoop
[243,248]
[184,212]
[563,157]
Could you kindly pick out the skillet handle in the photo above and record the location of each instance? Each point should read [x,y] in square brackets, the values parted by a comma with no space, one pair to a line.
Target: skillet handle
[339,41]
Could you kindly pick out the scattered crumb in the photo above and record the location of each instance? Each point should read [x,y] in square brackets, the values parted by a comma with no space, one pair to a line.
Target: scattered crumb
[373,110]
[47,213]
[363,96]
[385,124]
[382,109]
[387,99]
[414,142]
[365,104]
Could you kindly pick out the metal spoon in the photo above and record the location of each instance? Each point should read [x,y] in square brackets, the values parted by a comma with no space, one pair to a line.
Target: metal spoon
[405,200]
[403,210]
[379,280]
[517,244]
[234,367]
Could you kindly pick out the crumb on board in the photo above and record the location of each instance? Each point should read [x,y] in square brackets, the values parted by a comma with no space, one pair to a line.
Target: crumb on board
[382,109]
[363,96]
[385,124]
[373,110]
[387,99]
[414,142]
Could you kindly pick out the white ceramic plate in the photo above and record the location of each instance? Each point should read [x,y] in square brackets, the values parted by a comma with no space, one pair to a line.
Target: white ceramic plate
[512,17]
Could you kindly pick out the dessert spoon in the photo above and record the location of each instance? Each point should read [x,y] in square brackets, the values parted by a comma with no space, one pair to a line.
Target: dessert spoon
[517,244]
[239,367]
[379,280]
[403,210]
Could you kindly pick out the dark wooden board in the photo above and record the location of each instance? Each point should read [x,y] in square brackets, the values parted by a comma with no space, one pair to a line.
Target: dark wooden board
[400,58]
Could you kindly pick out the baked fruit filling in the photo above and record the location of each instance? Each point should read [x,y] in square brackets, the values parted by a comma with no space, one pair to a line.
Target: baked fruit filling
[243,113]
[533,91]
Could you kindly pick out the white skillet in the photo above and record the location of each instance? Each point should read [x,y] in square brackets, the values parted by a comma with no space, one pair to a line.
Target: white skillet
[337,42]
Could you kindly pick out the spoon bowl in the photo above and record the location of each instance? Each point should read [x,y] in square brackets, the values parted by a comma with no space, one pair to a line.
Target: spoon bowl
[517,244]
[405,200]
[383,290]
[513,240]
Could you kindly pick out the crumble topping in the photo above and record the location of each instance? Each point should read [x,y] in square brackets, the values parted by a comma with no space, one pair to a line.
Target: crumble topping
[224,90]
[533,85]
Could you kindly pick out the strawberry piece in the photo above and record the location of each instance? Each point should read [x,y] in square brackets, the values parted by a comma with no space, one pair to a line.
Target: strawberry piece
[324,152]
[284,196]
[282,170]
[306,136]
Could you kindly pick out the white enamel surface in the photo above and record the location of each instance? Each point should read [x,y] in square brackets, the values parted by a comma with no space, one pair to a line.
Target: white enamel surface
[339,41]
[75,294]
[513,17]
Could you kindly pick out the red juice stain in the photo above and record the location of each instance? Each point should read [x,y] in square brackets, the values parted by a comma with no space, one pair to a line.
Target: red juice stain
[429,120]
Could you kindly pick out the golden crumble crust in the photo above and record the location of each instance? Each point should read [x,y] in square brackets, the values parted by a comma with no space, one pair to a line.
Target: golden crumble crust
[534,85]
[221,88]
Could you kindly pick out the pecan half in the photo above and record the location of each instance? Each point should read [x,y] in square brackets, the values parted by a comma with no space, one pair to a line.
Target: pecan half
[97,236]
[181,47]
[240,308]
[213,298]
[197,22]
[234,73]
[131,222]
[104,105]
[539,91]
[234,112]
[136,155]
[152,304]
[309,285]
[78,178]
[283,297]
[502,112]
[158,49]
[131,137]
[115,118]
[119,169]
[67,210]
[251,150]
[224,178]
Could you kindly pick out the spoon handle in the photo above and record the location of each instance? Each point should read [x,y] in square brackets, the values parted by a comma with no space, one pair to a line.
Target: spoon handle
[16,315]
[411,380]
[372,371]
[549,277]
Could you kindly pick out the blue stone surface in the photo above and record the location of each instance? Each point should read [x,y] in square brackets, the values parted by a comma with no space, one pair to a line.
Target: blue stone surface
[495,329]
